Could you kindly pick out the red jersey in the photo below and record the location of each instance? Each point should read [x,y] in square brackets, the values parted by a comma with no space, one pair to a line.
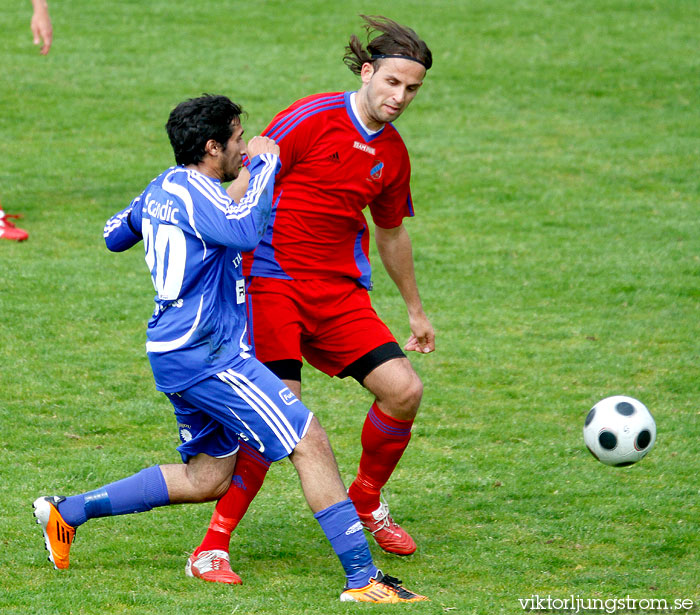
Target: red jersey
[332,168]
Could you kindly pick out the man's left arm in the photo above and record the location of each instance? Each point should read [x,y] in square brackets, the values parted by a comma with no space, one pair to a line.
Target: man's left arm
[396,252]
[122,231]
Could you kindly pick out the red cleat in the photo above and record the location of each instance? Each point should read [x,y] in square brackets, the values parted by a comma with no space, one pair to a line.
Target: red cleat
[212,566]
[9,231]
[388,534]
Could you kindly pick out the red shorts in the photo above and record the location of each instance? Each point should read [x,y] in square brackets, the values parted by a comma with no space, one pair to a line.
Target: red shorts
[328,322]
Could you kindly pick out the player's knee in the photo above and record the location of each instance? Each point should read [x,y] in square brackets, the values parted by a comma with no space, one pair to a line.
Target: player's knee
[416,389]
[209,480]
[404,401]
[211,487]
[397,388]
[218,490]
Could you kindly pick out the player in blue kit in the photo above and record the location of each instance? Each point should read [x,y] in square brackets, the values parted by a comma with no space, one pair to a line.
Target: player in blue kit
[193,234]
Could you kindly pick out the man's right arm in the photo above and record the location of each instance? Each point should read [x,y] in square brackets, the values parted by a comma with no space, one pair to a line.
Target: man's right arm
[238,187]
[244,223]
[42,29]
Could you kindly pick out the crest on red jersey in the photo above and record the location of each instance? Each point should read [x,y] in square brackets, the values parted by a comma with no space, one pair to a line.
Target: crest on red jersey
[376,171]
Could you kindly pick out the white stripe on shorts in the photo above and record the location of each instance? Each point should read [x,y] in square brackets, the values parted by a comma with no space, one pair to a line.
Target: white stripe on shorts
[263,407]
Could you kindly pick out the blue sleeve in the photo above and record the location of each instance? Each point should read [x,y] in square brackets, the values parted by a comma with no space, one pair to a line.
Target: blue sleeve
[243,224]
[261,187]
[123,229]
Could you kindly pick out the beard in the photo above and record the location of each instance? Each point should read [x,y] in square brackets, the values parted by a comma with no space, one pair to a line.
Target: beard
[229,175]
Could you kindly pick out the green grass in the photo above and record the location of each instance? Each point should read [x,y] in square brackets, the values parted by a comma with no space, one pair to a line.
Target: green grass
[557,243]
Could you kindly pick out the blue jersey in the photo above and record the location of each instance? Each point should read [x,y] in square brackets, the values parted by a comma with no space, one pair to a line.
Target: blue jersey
[193,235]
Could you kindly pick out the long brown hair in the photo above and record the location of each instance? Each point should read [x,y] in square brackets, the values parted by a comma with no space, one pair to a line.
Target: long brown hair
[395,40]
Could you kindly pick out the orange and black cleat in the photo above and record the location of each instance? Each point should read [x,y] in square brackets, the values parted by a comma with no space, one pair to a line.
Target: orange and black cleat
[58,535]
[381,589]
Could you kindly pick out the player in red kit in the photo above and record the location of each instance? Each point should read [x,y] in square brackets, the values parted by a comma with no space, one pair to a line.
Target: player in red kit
[310,276]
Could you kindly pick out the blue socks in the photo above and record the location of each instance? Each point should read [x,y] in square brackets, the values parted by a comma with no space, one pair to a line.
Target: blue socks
[342,527]
[137,493]
[147,490]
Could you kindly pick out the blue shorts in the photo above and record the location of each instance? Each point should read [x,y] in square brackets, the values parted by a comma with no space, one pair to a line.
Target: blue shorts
[246,401]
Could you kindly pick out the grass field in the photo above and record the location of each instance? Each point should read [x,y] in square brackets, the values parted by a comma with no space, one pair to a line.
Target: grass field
[555,150]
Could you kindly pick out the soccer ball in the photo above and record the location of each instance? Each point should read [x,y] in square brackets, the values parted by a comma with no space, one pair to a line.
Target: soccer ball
[619,431]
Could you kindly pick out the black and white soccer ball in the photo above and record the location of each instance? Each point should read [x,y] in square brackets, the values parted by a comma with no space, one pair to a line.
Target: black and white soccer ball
[619,431]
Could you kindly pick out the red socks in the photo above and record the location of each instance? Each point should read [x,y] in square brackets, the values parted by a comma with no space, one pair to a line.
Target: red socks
[384,439]
[248,476]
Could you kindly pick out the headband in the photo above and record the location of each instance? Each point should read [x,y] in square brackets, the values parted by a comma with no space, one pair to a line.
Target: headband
[381,56]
